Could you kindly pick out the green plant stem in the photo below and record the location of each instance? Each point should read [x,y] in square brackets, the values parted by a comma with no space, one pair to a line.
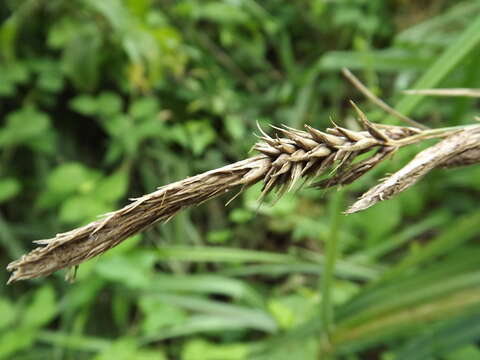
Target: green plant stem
[331,256]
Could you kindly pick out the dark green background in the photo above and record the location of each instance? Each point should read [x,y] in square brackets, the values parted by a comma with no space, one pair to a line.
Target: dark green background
[104,100]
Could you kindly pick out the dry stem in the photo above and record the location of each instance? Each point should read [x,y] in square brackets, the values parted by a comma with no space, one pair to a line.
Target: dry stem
[283,161]
[459,149]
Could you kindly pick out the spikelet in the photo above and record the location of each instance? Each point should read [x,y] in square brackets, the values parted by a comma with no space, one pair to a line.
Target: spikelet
[308,154]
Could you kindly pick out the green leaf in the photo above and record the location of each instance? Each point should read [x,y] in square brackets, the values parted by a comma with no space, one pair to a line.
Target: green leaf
[81,208]
[14,340]
[222,13]
[158,314]
[448,339]
[109,104]
[134,270]
[379,221]
[127,348]
[68,179]
[9,188]
[207,284]
[241,216]
[8,313]
[84,104]
[24,126]
[469,352]
[113,187]
[200,135]
[81,58]
[144,107]
[219,236]
[42,309]
[290,311]
[61,31]
[198,349]
[240,316]
[235,126]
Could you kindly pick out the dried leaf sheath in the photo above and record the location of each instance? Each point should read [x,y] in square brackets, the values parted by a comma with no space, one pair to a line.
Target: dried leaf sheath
[299,154]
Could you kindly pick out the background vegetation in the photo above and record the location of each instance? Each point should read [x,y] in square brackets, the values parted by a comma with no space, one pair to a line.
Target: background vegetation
[105,100]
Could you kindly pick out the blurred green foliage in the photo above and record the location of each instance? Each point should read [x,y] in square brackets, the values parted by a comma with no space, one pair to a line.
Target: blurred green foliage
[105,100]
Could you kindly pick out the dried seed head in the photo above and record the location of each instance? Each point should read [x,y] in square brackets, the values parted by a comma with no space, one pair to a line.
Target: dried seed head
[282,163]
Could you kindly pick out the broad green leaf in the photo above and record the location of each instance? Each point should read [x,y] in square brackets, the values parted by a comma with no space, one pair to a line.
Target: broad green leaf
[24,126]
[81,208]
[72,177]
[42,309]
[84,104]
[113,187]
[18,338]
[109,104]
[9,188]
[67,180]
[8,313]
[144,107]
[200,135]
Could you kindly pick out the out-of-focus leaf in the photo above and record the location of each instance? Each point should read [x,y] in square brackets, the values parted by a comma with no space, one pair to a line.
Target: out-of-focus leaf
[81,208]
[71,179]
[42,310]
[16,339]
[200,135]
[113,187]
[223,13]
[443,340]
[24,126]
[109,104]
[240,215]
[240,316]
[8,313]
[134,271]
[219,236]
[81,58]
[9,188]
[144,107]
[158,314]
[389,212]
[198,349]
[290,311]
[381,60]
[126,348]
[207,284]
[84,104]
